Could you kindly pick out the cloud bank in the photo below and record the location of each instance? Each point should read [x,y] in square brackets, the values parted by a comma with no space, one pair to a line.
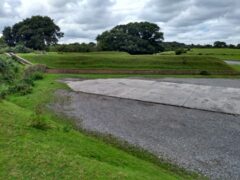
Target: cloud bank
[189,21]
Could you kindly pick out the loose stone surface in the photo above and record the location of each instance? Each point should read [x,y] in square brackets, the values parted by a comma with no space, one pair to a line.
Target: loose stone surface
[203,141]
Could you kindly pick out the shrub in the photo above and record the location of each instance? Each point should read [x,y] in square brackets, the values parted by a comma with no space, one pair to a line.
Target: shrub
[23,87]
[180,51]
[37,76]
[20,48]
[184,61]
[3,91]
[38,121]
[35,72]
[205,73]
[8,70]
[67,129]
[17,49]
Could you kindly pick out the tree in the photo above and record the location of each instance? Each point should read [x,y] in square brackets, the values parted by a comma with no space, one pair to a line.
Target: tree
[232,46]
[36,32]
[220,44]
[75,47]
[2,43]
[8,36]
[134,38]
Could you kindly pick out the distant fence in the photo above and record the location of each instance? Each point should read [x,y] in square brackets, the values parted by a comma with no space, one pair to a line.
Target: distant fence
[138,72]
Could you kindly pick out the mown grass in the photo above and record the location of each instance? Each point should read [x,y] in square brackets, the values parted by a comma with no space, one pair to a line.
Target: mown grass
[221,53]
[61,152]
[114,60]
[236,67]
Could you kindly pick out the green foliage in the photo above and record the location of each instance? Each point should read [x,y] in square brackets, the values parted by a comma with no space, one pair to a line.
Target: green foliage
[38,121]
[34,72]
[134,38]
[20,48]
[3,91]
[2,43]
[205,73]
[36,32]
[75,47]
[14,82]
[180,51]
[220,44]
[67,129]
[17,49]
[8,70]
[22,87]
[173,46]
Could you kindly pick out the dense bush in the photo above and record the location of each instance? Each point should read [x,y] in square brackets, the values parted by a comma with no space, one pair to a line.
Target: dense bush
[17,49]
[180,51]
[35,72]
[205,73]
[14,81]
[74,47]
[21,87]
[8,70]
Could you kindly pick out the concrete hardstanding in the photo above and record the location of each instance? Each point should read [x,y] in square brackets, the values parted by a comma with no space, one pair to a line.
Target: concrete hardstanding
[203,97]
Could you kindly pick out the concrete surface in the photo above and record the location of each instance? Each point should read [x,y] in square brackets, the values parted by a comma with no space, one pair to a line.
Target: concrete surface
[203,141]
[203,97]
[232,62]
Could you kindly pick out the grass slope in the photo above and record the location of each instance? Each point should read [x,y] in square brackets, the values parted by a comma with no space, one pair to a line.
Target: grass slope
[221,53]
[29,153]
[114,60]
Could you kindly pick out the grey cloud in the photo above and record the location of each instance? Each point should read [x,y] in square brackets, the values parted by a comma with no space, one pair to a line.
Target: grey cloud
[201,21]
[197,21]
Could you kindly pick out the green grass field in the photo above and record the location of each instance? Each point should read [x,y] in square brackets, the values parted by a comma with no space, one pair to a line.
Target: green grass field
[221,53]
[115,60]
[62,152]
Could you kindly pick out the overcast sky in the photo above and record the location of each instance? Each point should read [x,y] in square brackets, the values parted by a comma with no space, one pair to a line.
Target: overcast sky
[189,21]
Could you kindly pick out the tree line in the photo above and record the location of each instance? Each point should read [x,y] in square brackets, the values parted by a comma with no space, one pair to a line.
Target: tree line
[41,33]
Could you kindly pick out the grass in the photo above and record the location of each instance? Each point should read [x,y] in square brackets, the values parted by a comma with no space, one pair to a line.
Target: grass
[61,152]
[115,60]
[221,53]
[236,67]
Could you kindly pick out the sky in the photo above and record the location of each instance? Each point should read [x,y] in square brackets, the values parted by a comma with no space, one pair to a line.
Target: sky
[188,21]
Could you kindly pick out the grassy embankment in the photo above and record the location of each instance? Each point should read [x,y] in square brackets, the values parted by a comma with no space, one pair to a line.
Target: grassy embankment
[114,60]
[220,53]
[59,151]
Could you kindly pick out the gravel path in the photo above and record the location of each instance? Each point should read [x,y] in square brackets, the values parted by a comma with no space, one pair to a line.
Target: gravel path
[203,141]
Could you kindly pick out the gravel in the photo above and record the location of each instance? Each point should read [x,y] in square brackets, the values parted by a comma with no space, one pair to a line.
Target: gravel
[202,141]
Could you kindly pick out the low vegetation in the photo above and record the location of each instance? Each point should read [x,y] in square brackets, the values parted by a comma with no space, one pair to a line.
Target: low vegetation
[36,143]
[116,60]
[15,79]
[221,53]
